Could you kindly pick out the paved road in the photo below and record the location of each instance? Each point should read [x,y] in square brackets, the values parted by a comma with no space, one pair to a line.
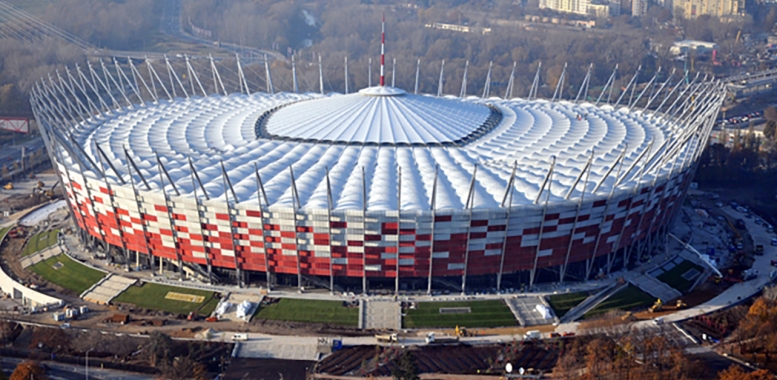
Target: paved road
[60,371]
[12,153]
[170,24]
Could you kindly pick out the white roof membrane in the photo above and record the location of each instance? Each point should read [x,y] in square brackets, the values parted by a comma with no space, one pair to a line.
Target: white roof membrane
[377,132]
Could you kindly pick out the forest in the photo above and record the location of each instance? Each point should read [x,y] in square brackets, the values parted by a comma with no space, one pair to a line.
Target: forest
[336,30]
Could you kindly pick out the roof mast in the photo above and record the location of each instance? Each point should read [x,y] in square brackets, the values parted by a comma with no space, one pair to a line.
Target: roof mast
[382,50]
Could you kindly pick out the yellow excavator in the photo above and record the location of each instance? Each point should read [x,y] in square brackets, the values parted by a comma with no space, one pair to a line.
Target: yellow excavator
[462,332]
[659,305]
[8,186]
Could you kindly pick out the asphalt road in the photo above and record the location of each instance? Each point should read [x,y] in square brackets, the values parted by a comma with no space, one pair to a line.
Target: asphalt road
[170,24]
[11,153]
[59,371]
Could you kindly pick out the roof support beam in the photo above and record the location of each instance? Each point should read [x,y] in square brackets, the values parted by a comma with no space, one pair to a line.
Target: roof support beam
[510,84]
[463,93]
[440,83]
[559,92]
[197,176]
[535,84]
[607,85]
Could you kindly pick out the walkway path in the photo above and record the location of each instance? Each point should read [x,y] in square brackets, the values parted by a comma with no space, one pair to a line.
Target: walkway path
[107,289]
[654,287]
[39,256]
[591,302]
[525,310]
[382,315]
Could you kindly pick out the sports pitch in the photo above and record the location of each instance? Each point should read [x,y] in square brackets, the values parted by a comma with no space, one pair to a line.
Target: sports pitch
[310,311]
[67,273]
[168,298]
[482,314]
[41,241]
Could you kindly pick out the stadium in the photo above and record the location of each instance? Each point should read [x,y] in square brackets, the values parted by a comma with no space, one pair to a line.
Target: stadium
[378,190]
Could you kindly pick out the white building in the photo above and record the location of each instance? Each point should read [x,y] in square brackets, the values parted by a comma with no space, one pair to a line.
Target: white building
[595,8]
[700,48]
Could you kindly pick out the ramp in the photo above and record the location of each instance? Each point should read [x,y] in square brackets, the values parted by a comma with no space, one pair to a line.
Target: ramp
[654,287]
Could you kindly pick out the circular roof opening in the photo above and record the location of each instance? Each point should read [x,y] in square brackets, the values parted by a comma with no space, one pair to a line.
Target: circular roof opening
[379,116]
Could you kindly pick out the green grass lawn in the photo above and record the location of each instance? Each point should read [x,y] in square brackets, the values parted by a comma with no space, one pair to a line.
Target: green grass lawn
[4,230]
[483,314]
[674,276]
[562,303]
[630,297]
[152,296]
[41,241]
[70,275]
[310,311]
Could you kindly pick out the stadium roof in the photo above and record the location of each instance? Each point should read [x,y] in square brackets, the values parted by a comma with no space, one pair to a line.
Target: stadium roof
[385,132]
[379,115]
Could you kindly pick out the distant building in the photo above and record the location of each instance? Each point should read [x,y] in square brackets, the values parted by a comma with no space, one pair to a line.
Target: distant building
[595,8]
[700,48]
[691,9]
[458,28]
[639,8]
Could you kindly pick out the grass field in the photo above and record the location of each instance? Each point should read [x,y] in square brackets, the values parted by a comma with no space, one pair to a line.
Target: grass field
[674,276]
[310,311]
[39,242]
[483,314]
[562,303]
[152,296]
[70,275]
[628,298]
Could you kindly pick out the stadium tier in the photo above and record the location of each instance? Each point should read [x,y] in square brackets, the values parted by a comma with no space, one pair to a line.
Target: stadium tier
[378,185]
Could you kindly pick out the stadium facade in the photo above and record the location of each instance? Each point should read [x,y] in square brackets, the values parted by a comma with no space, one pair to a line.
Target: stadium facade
[381,187]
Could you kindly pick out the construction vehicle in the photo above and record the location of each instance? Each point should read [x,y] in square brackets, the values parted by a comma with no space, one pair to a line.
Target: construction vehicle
[17,233]
[626,317]
[50,192]
[445,339]
[387,338]
[657,306]
[8,186]
[463,332]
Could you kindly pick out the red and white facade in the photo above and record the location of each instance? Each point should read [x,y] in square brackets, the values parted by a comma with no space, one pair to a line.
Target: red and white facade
[397,204]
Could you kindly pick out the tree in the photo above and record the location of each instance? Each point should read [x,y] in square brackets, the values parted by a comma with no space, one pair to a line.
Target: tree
[9,331]
[53,340]
[159,347]
[735,372]
[770,129]
[183,368]
[28,370]
[770,113]
[406,368]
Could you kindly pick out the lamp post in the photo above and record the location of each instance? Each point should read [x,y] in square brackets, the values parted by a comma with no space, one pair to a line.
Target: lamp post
[87,363]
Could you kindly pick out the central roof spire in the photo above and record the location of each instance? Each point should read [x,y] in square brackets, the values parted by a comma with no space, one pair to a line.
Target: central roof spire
[382,50]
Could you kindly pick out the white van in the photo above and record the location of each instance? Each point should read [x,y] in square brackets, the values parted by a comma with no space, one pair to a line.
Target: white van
[240,337]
